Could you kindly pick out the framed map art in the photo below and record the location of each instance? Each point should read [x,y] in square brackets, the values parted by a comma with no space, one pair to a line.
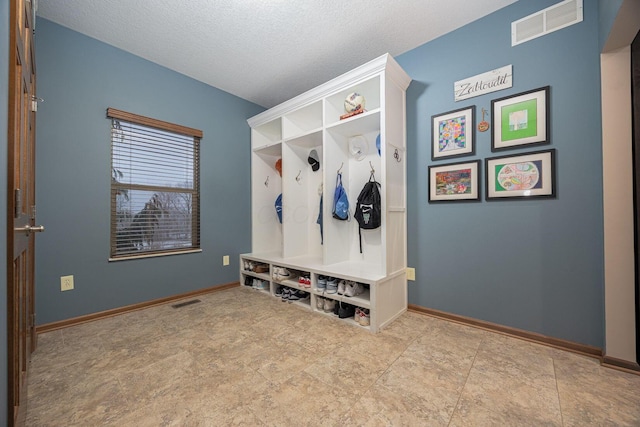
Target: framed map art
[521,119]
[523,176]
[452,133]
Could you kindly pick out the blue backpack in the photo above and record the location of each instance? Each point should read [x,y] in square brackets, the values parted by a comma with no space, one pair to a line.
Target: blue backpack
[319,221]
[279,207]
[340,201]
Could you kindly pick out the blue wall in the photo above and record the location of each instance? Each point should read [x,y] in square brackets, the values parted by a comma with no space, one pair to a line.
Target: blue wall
[535,265]
[608,10]
[79,78]
[4,96]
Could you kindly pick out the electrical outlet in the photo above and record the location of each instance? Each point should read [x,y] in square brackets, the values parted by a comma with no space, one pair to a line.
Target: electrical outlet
[225,260]
[411,273]
[66,283]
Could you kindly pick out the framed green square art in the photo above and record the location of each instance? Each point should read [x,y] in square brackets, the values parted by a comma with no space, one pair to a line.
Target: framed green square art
[521,119]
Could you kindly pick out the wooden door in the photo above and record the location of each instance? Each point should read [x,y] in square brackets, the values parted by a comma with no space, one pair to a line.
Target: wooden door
[20,207]
[635,103]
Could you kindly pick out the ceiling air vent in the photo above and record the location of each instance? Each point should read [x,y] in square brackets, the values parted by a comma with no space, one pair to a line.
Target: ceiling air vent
[546,21]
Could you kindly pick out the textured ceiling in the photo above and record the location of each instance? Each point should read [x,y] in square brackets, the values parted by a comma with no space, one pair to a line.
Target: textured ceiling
[265,51]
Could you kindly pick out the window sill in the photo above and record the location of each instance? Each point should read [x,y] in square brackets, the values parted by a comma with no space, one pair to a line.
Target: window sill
[130,257]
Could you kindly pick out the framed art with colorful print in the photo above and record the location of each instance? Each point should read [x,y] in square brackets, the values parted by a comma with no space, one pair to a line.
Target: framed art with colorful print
[454,182]
[452,133]
[521,119]
[523,176]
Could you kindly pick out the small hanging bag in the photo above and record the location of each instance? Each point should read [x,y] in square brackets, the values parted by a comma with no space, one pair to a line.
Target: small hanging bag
[369,207]
[340,201]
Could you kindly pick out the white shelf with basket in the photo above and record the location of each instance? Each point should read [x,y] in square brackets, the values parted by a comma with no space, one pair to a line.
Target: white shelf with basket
[311,123]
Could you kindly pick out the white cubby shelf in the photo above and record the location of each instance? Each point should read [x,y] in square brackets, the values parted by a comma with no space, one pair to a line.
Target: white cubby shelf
[311,121]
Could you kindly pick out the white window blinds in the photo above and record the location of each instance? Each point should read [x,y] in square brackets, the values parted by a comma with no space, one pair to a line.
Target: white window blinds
[155,198]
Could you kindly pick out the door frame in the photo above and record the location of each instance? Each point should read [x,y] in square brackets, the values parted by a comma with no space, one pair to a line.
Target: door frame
[21,337]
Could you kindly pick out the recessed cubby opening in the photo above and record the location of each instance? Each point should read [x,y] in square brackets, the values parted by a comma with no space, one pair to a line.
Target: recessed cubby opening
[303,121]
[266,134]
[265,188]
[369,89]
[301,185]
[357,157]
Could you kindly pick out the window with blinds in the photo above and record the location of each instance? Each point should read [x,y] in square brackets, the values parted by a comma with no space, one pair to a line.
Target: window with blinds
[155,189]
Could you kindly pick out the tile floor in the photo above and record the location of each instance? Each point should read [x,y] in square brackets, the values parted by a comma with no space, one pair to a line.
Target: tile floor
[240,357]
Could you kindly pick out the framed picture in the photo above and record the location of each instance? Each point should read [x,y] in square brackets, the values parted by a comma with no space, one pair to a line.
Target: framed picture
[454,182]
[452,133]
[522,176]
[521,119]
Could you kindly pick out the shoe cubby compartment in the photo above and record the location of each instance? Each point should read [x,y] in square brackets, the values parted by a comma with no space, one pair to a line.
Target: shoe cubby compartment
[292,295]
[341,310]
[251,280]
[255,267]
[255,274]
[349,291]
[291,278]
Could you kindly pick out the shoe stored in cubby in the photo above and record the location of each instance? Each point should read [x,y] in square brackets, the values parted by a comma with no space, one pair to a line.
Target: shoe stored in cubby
[291,295]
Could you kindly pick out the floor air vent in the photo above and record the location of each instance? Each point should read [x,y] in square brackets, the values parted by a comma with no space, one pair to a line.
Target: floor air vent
[183,304]
[546,21]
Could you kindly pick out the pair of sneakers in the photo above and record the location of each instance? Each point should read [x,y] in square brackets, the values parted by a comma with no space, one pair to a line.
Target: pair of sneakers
[305,281]
[332,285]
[345,311]
[259,284]
[280,274]
[289,294]
[327,305]
[362,316]
[248,265]
[349,288]
[321,283]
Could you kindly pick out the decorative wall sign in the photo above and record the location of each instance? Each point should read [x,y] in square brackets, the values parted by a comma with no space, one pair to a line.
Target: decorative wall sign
[454,182]
[452,133]
[522,176]
[491,81]
[521,119]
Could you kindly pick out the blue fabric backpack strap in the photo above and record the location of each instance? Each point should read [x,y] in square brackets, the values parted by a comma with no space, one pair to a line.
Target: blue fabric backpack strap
[319,221]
